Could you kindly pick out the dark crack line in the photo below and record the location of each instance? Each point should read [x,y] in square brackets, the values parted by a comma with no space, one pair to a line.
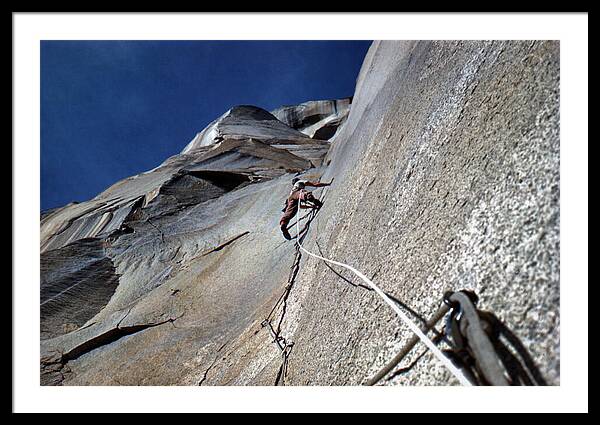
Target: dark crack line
[219,247]
[126,314]
[176,252]
[290,285]
[83,348]
[223,245]
[86,326]
[282,373]
[213,363]
[222,346]
[282,343]
[109,337]
[207,370]
[162,236]
[291,278]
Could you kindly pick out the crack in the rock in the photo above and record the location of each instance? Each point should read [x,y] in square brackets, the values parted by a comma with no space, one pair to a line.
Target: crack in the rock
[108,337]
[217,248]
[124,227]
[101,340]
[286,348]
[162,235]
[230,241]
[222,346]
[126,314]
[282,372]
[213,363]
[175,254]
[288,288]
[86,326]
[207,370]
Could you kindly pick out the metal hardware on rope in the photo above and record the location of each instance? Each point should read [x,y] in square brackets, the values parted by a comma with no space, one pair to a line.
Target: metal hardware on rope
[277,339]
[478,349]
[479,343]
[282,373]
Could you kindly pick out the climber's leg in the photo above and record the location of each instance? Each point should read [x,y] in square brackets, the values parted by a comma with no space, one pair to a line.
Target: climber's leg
[283,223]
[285,232]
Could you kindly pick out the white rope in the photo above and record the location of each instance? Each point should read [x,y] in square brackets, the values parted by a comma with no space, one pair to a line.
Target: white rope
[434,349]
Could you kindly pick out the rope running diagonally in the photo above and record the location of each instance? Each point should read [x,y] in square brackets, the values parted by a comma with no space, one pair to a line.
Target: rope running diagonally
[434,349]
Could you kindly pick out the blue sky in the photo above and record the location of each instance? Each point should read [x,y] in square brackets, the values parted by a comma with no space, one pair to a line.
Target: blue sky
[112,109]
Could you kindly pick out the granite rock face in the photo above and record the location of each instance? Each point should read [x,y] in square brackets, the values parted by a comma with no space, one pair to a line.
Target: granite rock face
[446,176]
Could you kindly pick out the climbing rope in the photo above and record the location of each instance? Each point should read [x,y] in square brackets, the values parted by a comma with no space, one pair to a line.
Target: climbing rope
[434,349]
[429,325]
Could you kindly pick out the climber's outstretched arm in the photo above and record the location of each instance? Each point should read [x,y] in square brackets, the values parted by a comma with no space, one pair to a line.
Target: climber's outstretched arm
[317,184]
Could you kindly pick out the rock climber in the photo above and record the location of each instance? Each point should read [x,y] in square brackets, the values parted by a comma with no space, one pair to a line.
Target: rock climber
[298,194]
